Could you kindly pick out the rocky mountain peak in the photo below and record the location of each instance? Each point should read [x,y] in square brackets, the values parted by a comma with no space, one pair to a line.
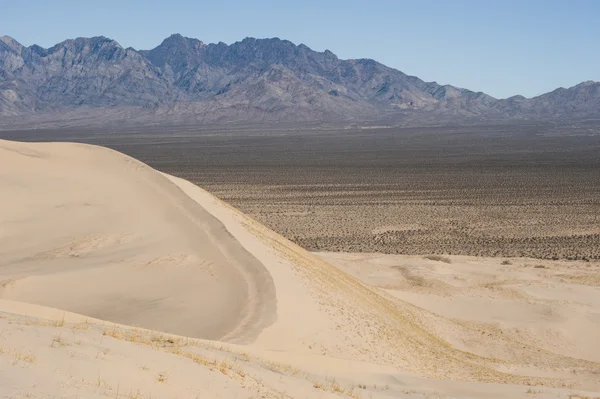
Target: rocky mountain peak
[176,40]
[12,43]
[176,52]
[587,83]
[268,79]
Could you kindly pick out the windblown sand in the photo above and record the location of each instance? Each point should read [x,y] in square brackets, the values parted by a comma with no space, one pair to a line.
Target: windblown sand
[119,281]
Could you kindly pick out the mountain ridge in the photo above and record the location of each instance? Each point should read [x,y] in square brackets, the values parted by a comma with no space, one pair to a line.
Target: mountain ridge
[249,80]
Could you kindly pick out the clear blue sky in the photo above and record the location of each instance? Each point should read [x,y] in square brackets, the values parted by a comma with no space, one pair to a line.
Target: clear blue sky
[501,47]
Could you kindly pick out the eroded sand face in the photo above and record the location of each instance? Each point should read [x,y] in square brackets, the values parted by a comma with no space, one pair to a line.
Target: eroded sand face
[162,253]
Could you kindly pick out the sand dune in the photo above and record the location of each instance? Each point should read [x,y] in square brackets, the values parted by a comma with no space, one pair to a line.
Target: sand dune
[93,232]
[518,305]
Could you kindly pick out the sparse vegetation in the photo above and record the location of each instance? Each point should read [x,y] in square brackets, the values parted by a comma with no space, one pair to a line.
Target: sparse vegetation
[101,383]
[114,333]
[44,323]
[335,387]
[20,355]
[80,326]
[57,341]
[176,345]
[331,385]
[438,258]
[279,367]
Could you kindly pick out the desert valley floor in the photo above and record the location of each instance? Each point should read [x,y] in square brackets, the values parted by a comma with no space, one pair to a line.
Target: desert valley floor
[120,281]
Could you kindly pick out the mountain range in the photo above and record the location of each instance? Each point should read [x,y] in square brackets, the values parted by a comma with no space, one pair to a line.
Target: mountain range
[186,80]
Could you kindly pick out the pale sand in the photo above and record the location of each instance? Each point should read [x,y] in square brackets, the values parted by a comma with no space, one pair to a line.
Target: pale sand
[94,232]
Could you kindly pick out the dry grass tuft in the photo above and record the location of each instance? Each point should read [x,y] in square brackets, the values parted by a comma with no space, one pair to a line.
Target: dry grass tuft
[114,333]
[279,367]
[224,366]
[334,387]
[19,355]
[80,326]
[44,323]
[176,345]
[58,341]
[353,394]
[101,383]
[162,377]
[438,258]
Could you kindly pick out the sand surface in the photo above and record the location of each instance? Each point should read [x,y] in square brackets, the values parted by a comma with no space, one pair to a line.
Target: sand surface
[98,253]
[553,306]
[95,232]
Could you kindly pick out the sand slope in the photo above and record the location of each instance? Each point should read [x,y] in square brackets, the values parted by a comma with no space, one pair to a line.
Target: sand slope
[550,305]
[52,358]
[94,232]
[325,310]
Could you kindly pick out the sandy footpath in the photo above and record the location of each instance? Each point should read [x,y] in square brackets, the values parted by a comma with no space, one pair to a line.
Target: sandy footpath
[119,281]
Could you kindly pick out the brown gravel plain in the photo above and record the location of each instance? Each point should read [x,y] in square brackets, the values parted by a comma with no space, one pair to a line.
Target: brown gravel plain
[528,190]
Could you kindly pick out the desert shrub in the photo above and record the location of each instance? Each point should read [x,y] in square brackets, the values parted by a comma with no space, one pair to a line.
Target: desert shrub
[438,258]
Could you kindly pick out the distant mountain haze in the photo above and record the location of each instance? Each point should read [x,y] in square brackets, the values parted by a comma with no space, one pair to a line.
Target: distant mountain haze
[185,79]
